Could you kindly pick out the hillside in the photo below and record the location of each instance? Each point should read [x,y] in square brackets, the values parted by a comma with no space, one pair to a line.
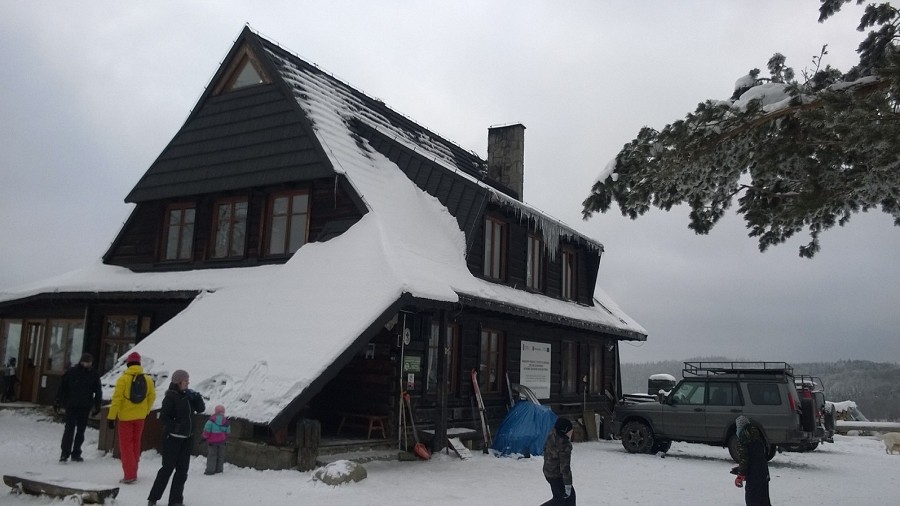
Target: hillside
[874,386]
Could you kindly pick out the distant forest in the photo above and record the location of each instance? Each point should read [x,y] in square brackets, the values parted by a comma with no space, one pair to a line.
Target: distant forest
[873,386]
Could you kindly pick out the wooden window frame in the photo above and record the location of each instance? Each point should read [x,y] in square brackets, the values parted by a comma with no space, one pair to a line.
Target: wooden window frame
[67,352]
[568,368]
[491,353]
[116,344]
[452,359]
[569,274]
[534,275]
[289,217]
[243,57]
[182,224]
[229,246]
[494,266]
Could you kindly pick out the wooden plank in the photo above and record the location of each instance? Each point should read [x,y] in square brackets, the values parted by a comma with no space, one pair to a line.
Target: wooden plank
[37,484]
[460,449]
[590,425]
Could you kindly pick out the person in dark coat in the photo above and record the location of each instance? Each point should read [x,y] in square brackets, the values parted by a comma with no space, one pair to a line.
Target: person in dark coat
[177,416]
[80,395]
[557,463]
[753,463]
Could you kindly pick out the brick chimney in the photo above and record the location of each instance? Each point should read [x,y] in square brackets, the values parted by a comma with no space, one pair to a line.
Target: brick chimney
[506,156]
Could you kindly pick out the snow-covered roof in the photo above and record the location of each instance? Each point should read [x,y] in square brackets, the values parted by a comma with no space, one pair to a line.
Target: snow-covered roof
[237,337]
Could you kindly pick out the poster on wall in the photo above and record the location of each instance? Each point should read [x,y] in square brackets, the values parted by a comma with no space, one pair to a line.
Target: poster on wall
[534,368]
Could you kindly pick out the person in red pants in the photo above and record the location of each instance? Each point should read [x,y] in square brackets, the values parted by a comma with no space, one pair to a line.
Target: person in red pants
[130,415]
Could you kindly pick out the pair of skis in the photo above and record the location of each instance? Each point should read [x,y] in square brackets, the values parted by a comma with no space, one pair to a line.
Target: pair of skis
[485,429]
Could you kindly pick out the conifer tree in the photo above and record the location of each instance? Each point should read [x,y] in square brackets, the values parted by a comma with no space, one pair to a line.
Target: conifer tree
[796,154]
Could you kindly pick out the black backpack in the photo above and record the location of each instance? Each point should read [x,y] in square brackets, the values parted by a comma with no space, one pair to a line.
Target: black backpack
[138,389]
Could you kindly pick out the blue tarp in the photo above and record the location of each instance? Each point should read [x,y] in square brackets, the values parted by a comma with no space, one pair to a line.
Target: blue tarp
[524,429]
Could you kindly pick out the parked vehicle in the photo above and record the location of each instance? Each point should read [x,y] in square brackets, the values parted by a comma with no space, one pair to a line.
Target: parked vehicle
[811,390]
[702,408]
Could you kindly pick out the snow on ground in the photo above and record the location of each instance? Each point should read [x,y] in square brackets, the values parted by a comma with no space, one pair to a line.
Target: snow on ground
[853,470]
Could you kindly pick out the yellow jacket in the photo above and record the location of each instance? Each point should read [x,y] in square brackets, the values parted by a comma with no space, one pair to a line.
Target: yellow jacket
[121,407]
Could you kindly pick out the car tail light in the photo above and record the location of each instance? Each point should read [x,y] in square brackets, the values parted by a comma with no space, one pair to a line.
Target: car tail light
[793,402]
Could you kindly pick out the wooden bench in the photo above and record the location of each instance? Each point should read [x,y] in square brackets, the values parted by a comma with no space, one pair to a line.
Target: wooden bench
[365,421]
[37,484]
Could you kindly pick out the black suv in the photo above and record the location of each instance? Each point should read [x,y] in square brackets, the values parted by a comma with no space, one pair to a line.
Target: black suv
[704,404]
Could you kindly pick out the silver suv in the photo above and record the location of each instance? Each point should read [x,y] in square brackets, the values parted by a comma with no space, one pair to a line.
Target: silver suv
[702,408]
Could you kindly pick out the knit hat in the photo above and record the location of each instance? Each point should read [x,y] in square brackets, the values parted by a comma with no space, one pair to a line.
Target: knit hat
[133,358]
[87,358]
[562,425]
[741,422]
[220,410]
[179,376]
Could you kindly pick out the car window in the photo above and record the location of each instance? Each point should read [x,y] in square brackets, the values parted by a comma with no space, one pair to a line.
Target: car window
[724,394]
[764,394]
[689,392]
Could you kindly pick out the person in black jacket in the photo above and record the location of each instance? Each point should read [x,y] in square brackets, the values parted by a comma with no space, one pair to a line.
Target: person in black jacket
[753,463]
[177,416]
[558,463]
[79,391]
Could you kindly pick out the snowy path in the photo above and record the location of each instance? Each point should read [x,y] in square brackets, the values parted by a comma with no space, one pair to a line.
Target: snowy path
[854,470]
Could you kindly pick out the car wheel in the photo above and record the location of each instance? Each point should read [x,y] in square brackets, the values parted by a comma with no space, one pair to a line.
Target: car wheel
[733,448]
[771,453]
[637,437]
[661,446]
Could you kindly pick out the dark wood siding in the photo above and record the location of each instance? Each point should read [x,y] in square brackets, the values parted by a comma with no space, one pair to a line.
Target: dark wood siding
[249,138]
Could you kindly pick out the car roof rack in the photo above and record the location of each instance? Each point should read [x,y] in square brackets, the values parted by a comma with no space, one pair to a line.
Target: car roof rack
[809,381]
[736,369]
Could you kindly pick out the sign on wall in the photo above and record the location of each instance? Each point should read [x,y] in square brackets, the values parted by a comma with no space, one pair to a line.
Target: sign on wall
[534,368]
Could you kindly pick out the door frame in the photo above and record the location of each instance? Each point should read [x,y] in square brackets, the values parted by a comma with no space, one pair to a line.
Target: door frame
[31,354]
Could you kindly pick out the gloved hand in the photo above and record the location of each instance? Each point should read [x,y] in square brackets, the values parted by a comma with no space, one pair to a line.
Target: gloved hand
[56,408]
[111,424]
[568,490]
[739,481]
[95,411]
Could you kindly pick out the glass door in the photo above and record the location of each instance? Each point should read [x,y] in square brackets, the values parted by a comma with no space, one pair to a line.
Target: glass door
[32,349]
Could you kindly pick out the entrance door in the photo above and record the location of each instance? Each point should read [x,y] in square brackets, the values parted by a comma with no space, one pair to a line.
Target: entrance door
[32,349]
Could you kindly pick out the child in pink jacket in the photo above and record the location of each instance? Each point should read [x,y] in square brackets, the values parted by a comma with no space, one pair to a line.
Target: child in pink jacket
[216,432]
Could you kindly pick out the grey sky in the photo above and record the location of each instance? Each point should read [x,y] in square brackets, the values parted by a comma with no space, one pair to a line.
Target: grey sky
[93,91]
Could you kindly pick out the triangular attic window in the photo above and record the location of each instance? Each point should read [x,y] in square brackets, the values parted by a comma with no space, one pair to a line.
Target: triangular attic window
[244,71]
[246,75]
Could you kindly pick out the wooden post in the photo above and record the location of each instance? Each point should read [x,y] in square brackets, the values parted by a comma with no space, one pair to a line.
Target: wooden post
[308,434]
[440,427]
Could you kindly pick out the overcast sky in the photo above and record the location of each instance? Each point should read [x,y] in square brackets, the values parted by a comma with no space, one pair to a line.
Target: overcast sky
[93,91]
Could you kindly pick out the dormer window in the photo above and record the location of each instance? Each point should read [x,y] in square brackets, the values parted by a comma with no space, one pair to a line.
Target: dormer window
[230,228]
[494,248]
[569,270]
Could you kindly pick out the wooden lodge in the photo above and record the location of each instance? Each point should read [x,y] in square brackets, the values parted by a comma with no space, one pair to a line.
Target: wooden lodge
[267,165]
